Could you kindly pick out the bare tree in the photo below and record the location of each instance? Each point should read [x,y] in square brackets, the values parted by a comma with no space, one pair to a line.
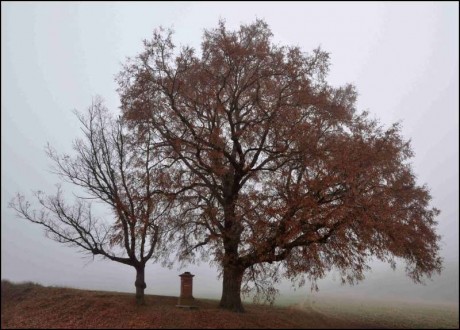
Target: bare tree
[286,178]
[116,168]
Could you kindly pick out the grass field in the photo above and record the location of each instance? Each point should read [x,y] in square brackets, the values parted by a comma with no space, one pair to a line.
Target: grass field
[387,314]
[29,305]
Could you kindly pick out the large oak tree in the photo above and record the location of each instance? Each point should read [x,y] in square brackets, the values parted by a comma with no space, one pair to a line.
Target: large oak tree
[285,176]
[119,168]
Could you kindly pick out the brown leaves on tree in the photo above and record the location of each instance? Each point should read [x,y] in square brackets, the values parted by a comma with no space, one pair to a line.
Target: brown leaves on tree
[254,160]
[279,165]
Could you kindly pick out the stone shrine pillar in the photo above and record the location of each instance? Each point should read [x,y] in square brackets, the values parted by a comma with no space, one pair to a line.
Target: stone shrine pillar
[186,290]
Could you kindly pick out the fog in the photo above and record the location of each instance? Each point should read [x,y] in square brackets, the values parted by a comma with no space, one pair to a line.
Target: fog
[403,58]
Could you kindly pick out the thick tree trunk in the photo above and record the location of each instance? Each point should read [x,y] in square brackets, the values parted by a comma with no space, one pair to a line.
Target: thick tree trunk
[140,285]
[231,291]
[232,270]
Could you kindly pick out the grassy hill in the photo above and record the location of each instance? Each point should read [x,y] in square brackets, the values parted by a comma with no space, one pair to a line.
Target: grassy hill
[29,305]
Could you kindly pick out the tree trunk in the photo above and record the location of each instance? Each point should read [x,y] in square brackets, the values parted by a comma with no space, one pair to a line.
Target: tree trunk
[233,271]
[140,285]
[231,291]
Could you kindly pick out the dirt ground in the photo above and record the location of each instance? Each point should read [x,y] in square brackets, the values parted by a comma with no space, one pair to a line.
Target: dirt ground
[34,306]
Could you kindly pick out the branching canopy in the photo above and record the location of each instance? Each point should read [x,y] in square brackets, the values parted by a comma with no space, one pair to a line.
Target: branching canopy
[120,169]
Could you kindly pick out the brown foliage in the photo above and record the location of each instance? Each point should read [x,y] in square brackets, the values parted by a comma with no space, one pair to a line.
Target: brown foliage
[280,167]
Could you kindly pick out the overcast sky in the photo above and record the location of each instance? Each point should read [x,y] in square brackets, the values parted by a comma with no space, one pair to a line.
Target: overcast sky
[403,58]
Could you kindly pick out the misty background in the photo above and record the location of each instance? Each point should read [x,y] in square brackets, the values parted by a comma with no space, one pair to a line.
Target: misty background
[403,58]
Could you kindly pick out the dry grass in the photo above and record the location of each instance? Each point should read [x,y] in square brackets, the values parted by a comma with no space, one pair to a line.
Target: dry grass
[30,305]
[387,314]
